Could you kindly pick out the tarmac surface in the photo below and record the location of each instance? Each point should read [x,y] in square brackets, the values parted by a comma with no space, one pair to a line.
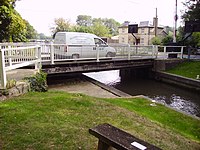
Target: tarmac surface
[19,74]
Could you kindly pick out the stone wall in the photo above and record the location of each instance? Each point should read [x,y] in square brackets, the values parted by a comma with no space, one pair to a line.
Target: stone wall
[21,87]
[164,64]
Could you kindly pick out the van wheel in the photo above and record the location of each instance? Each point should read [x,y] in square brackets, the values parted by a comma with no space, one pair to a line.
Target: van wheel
[110,54]
[75,56]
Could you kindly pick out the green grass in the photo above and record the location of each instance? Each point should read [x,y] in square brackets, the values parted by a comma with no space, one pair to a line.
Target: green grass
[187,69]
[58,120]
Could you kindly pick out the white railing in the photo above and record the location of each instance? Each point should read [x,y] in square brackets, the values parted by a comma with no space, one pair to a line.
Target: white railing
[13,57]
[129,52]
[170,51]
[61,52]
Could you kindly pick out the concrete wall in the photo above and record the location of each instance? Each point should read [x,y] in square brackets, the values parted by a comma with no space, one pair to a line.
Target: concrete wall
[177,80]
[164,64]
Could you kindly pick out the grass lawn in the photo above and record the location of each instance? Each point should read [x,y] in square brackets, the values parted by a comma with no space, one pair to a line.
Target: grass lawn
[59,120]
[187,69]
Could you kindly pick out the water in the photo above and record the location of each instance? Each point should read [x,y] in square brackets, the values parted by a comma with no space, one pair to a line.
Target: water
[173,96]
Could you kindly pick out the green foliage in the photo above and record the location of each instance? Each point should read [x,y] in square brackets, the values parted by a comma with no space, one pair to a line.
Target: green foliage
[31,33]
[5,21]
[167,40]
[12,27]
[38,82]
[101,27]
[17,28]
[187,69]
[100,30]
[156,41]
[82,29]
[196,39]
[84,20]
[11,83]
[60,25]
[192,10]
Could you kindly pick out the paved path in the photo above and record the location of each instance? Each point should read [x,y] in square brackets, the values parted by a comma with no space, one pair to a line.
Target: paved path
[82,86]
[19,74]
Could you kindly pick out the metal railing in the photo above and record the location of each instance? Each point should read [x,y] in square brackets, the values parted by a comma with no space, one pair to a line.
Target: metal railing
[13,57]
[170,51]
[61,52]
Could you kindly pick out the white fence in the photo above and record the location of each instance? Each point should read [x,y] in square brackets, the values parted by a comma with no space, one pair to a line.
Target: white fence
[14,56]
[49,52]
[18,55]
[170,51]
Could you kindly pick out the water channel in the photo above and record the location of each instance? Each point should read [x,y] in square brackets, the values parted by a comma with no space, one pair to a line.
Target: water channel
[173,96]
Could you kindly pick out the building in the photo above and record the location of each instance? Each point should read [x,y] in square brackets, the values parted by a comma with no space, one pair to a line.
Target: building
[146,32]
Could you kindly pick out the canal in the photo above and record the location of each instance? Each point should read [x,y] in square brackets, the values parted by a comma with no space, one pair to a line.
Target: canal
[173,96]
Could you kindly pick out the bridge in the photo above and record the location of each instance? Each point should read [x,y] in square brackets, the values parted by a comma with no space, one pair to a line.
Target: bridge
[43,56]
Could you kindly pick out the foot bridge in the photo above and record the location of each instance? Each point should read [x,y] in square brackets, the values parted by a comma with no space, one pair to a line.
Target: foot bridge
[54,59]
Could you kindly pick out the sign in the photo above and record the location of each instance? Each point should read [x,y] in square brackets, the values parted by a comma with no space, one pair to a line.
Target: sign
[133,28]
[192,26]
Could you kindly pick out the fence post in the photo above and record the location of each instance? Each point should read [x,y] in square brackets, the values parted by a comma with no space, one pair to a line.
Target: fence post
[2,69]
[9,54]
[156,50]
[38,57]
[182,48]
[52,53]
[129,52]
[97,53]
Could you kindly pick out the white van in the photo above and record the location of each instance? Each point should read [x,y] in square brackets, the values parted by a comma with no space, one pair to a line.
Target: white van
[81,45]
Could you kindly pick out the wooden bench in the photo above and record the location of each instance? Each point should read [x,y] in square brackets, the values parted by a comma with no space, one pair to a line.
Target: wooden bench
[110,136]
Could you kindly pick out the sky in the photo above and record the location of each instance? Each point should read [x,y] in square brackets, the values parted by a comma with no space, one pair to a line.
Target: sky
[42,13]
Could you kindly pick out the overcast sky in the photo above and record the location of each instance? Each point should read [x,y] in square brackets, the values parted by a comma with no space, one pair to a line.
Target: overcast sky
[41,13]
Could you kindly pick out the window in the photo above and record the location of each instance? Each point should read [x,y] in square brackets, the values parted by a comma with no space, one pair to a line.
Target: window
[142,30]
[99,42]
[142,41]
[123,40]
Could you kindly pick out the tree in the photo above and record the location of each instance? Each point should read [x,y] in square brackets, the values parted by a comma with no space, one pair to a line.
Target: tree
[100,30]
[192,10]
[84,29]
[60,25]
[12,27]
[156,41]
[17,28]
[112,25]
[167,39]
[84,20]
[31,33]
[191,13]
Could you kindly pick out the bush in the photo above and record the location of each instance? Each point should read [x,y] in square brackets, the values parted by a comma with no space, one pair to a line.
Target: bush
[38,82]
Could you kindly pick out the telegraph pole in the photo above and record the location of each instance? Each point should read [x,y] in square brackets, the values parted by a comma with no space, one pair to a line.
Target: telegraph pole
[175,23]
[156,23]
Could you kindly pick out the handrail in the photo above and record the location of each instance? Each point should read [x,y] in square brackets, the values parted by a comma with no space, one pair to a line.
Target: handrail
[13,58]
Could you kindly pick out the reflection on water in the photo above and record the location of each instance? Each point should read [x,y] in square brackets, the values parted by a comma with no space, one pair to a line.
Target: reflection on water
[170,95]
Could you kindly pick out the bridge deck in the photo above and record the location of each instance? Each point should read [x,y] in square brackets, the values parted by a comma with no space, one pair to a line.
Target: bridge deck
[88,66]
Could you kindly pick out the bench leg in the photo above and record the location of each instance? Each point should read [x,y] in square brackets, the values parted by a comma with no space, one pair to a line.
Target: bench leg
[102,145]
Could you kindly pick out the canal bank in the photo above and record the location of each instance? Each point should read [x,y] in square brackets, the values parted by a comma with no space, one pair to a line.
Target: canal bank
[177,80]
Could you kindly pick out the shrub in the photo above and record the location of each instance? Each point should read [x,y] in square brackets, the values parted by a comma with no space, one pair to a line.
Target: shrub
[38,82]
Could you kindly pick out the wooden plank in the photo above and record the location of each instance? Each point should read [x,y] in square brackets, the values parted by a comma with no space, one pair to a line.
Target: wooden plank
[119,139]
